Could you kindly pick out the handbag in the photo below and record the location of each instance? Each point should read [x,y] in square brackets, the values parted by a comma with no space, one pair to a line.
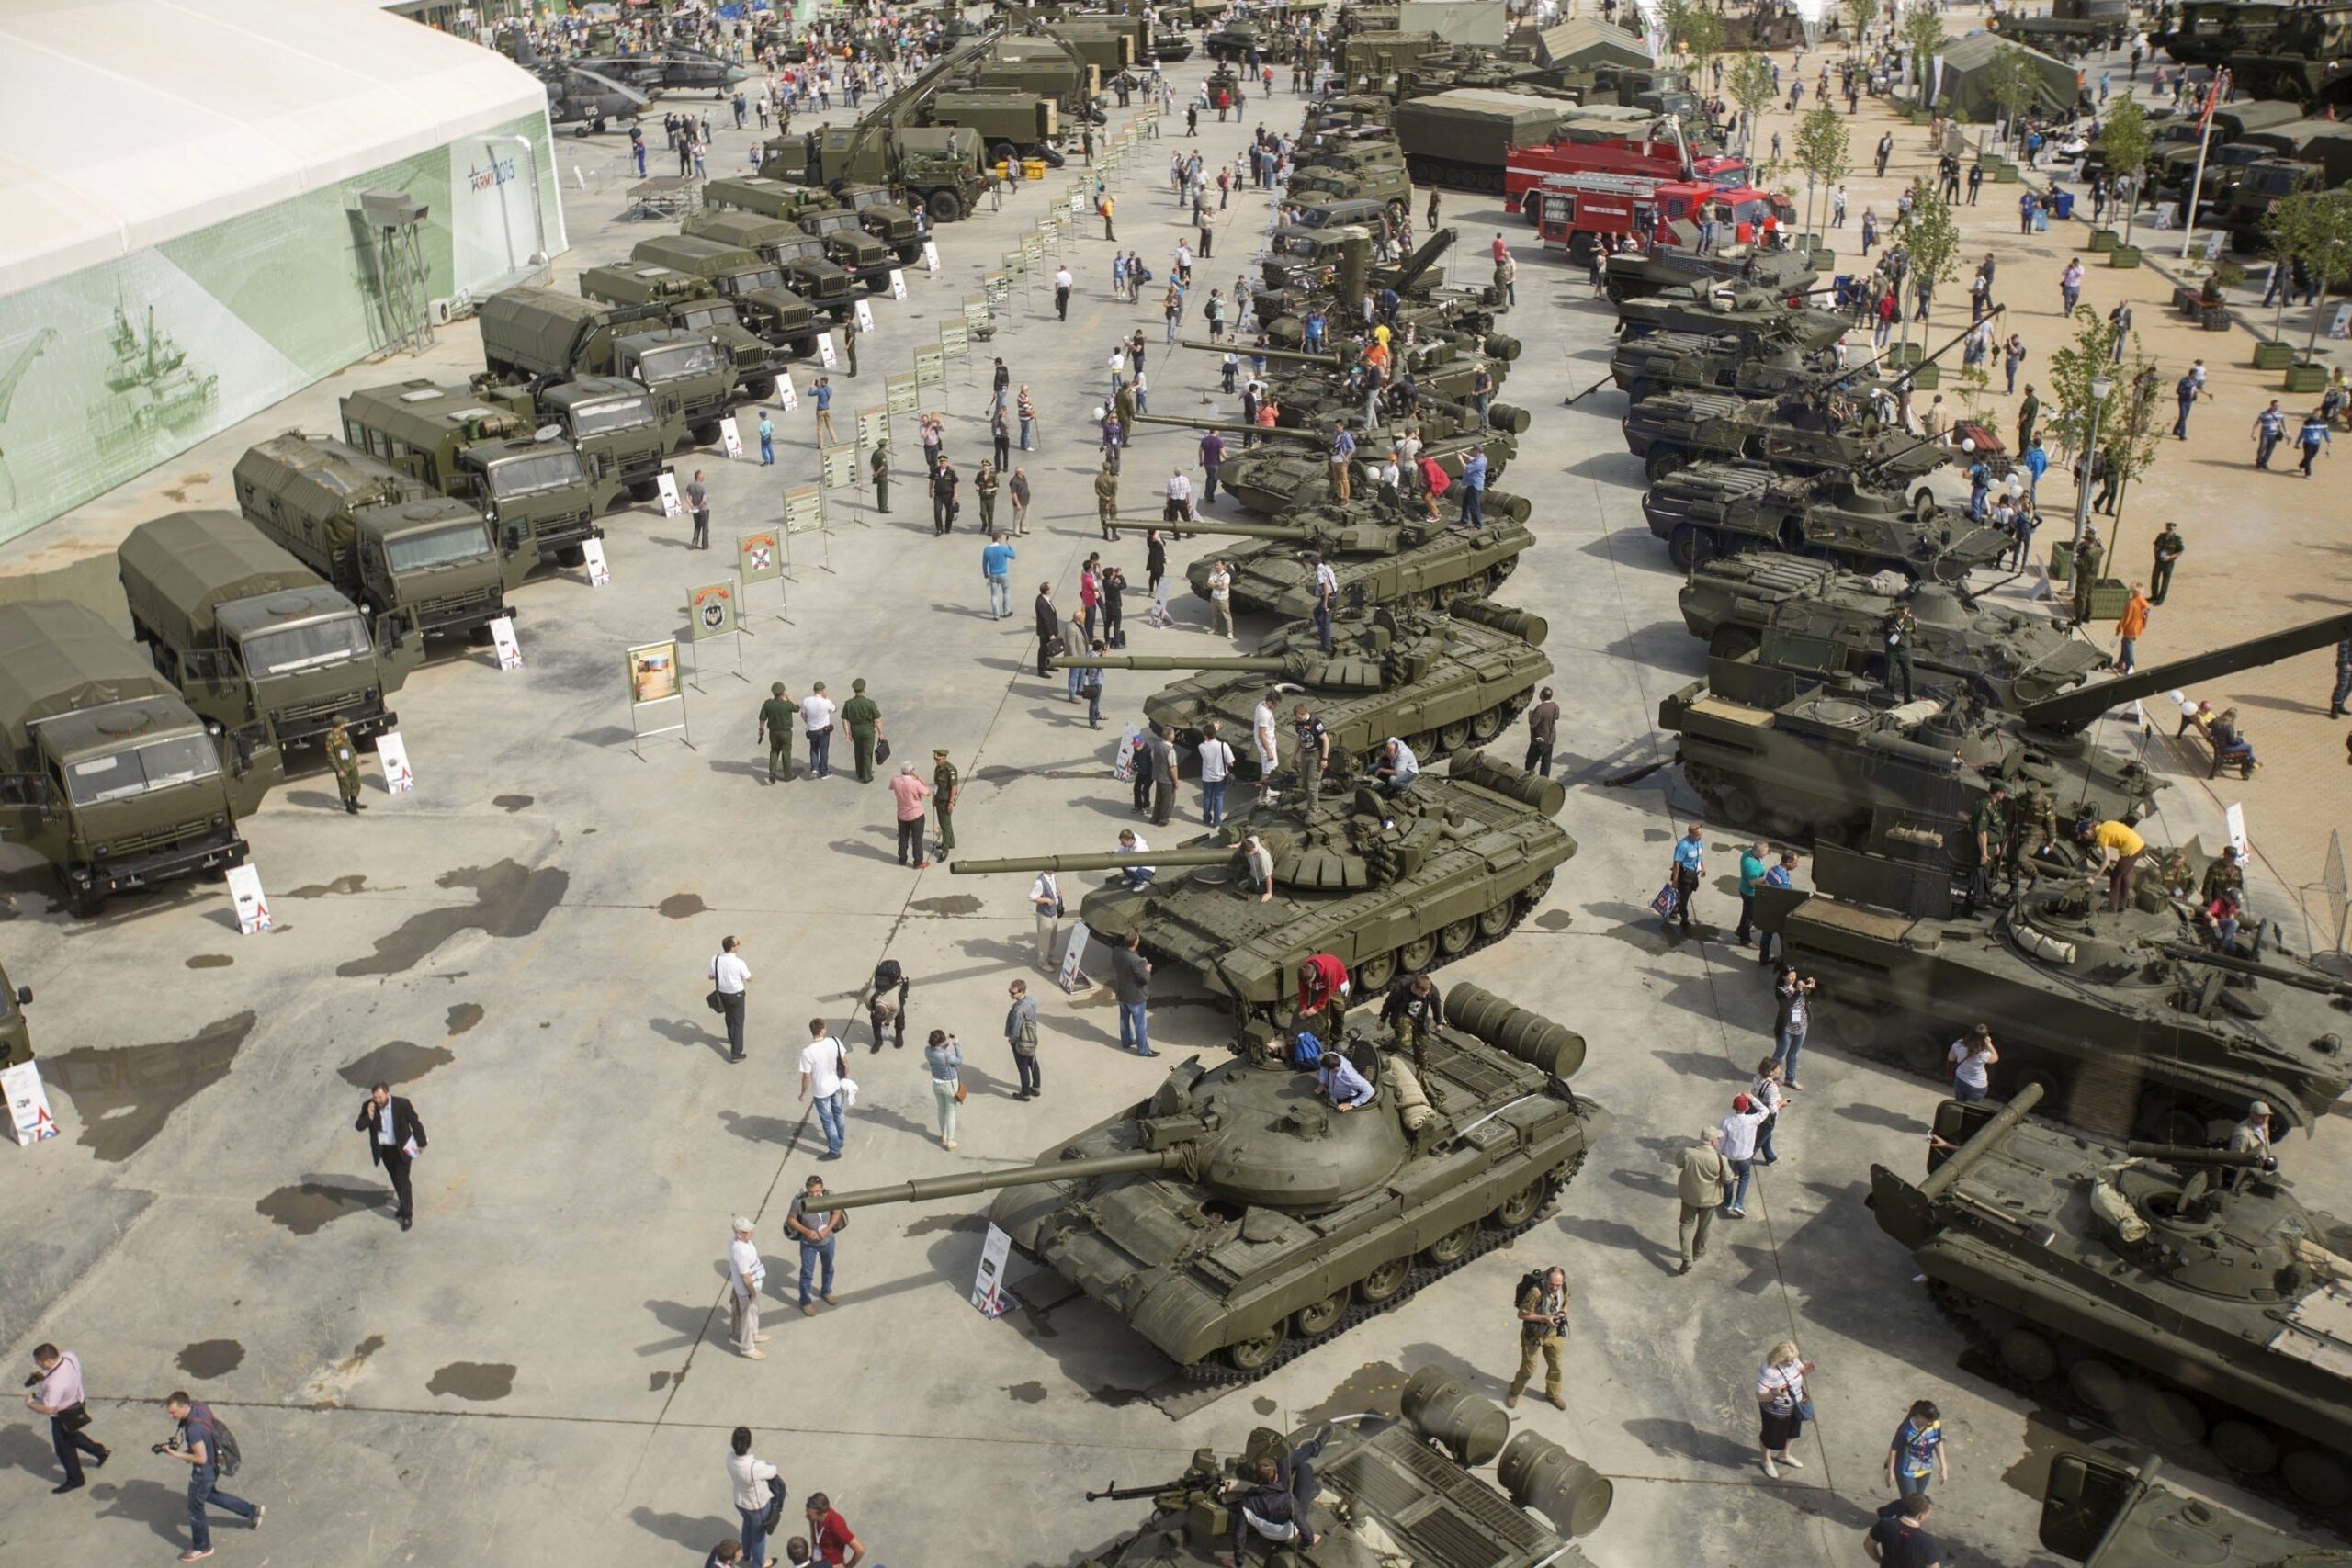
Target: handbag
[715,1001]
[1663,905]
[74,1417]
[960,1091]
[882,751]
[1804,1411]
[773,1514]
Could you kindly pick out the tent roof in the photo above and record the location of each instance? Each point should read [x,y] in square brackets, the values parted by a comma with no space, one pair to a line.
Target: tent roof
[1581,39]
[125,123]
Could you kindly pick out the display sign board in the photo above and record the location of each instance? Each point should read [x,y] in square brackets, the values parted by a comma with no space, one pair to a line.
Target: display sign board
[501,639]
[1017,265]
[873,428]
[955,339]
[827,355]
[863,311]
[392,753]
[931,255]
[758,557]
[252,905]
[668,483]
[976,313]
[591,552]
[730,438]
[897,283]
[840,465]
[930,365]
[804,509]
[988,1286]
[652,673]
[998,288]
[1073,976]
[30,1118]
[785,398]
[710,611]
[899,393]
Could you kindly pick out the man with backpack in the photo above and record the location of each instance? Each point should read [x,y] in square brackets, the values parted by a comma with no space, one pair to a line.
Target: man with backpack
[209,1450]
[1542,1309]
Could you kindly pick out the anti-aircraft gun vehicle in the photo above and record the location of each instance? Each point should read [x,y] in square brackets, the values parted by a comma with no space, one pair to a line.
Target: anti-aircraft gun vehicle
[1333,268]
[1289,467]
[2105,1515]
[1385,1491]
[1382,552]
[1440,683]
[2183,1290]
[1235,1219]
[1386,883]
[1720,509]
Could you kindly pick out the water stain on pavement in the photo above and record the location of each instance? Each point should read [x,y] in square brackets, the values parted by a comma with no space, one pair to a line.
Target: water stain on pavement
[1262,1406]
[209,961]
[1555,920]
[396,1062]
[212,1357]
[1027,1392]
[463,1017]
[308,1206]
[508,902]
[355,884]
[953,904]
[511,803]
[479,1381]
[124,1095]
[30,882]
[678,906]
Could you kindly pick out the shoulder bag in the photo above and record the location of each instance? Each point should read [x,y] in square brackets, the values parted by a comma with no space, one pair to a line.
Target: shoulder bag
[773,1514]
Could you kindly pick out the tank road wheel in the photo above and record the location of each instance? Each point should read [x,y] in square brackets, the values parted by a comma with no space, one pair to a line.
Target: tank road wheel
[1453,737]
[1454,941]
[1505,567]
[1317,1318]
[2163,1122]
[1496,923]
[1414,955]
[1385,1283]
[1520,1207]
[1739,805]
[1424,744]
[1916,1045]
[2049,1082]
[2245,1447]
[2317,1477]
[2173,1417]
[1421,599]
[1662,461]
[2099,1385]
[1252,1356]
[1452,1248]
[1486,725]
[2028,1355]
[1690,546]
[1729,641]
[1374,974]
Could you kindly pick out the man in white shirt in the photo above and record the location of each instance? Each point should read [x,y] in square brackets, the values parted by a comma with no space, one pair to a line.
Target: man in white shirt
[1217,771]
[817,719]
[729,975]
[746,1272]
[1398,767]
[1136,877]
[1221,598]
[1179,498]
[1261,724]
[1739,1151]
[824,1067]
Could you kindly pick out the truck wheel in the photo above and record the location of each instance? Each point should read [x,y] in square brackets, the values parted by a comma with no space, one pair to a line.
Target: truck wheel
[580,131]
[572,556]
[1690,546]
[760,389]
[643,490]
[805,347]
[1664,460]
[81,904]
[705,434]
[1053,157]
[944,206]
[1004,152]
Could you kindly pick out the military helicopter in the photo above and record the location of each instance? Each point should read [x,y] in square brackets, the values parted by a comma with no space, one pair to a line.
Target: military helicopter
[577,96]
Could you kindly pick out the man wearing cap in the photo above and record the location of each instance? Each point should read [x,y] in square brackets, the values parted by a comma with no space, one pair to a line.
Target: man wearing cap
[910,793]
[1699,1181]
[2251,1136]
[746,1272]
[1740,1152]
[777,716]
[865,721]
[947,785]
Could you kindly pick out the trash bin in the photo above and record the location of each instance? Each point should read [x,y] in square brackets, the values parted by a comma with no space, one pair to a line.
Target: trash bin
[2064,201]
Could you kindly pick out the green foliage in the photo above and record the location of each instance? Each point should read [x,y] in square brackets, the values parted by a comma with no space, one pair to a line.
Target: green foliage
[2009,81]
[1823,152]
[1863,12]
[1932,237]
[1750,81]
[1975,381]
[1923,34]
[2313,229]
[2123,142]
[1702,37]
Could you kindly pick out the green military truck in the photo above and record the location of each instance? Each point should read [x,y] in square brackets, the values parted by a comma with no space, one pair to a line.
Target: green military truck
[103,770]
[611,422]
[693,305]
[846,241]
[885,216]
[250,635]
[938,166]
[16,1039]
[1012,125]
[389,542]
[535,492]
[531,332]
[755,285]
[800,256]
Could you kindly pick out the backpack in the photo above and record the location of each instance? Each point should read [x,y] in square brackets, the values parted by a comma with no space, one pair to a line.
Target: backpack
[1530,1280]
[227,1457]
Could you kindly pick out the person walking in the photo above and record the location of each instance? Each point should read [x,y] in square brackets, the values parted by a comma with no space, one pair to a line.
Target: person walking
[343,759]
[865,721]
[1969,1064]
[2185,391]
[749,1478]
[1543,732]
[776,718]
[1017,488]
[1314,755]
[1262,724]
[728,977]
[1899,1538]
[2309,438]
[1061,293]
[2269,430]
[1164,760]
[198,1443]
[395,1138]
[1768,1091]
[745,1274]
[2342,692]
[1131,980]
[985,484]
[1701,1176]
[2169,549]
[1782,1404]
[943,506]
[1740,1128]
[1918,1453]
[822,396]
[698,504]
[1683,873]
[1543,1312]
[995,571]
[814,1224]
[945,1058]
[1021,1019]
[824,1073]
[816,722]
[767,440]
[2130,626]
[57,1392]
[886,1003]
[907,794]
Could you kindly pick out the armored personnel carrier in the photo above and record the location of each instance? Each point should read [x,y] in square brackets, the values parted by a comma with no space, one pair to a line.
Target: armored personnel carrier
[1382,882]
[1382,552]
[1235,1214]
[1289,467]
[1719,509]
[2105,1515]
[1387,1491]
[1439,683]
[2132,1021]
[1814,620]
[2181,1291]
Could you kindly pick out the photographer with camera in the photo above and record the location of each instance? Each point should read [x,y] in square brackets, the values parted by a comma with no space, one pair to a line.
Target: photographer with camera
[204,1445]
[57,1393]
[1543,1327]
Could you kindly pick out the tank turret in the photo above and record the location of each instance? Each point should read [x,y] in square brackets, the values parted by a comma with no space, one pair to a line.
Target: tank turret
[1382,550]
[1629,275]
[1290,468]
[1229,1214]
[1719,509]
[1445,367]
[2184,1292]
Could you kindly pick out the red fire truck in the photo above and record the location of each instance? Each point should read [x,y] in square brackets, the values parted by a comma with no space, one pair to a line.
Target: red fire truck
[1573,210]
[1663,157]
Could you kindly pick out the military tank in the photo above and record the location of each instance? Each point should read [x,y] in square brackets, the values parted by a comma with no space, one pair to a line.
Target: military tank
[2185,1292]
[2105,1515]
[1235,1219]
[1630,274]
[1290,467]
[1334,267]
[1382,551]
[2132,1022]
[1388,1490]
[1719,509]
[1382,882]
[1746,308]
[1439,683]
[1757,360]
[1443,369]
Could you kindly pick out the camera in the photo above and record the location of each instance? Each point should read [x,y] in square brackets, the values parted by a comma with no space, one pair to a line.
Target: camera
[36,1380]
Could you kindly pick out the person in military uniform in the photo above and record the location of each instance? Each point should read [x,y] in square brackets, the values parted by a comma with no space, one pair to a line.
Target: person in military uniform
[2034,823]
[777,716]
[1543,1330]
[342,756]
[1414,1014]
[865,721]
[945,785]
[1901,631]
[849,343]
[2087,562]
[1988,824]
[1106,497]
[2223,875]
[878,466]
[1123,405]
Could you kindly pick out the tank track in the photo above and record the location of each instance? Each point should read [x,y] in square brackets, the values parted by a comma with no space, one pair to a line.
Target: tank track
[1211,1371]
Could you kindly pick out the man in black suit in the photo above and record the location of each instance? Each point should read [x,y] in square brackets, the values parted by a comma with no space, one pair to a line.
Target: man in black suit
[395,1138]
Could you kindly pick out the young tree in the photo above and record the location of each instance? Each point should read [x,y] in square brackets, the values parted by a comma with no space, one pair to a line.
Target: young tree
[1822,152]
[2009,80]
[1751,89]
[2133,432]
[1702,37]
[2123,142]
[1923,34]
[1674,21]
[2071,371]
[1932,238]
[2314,228]
[1864,12]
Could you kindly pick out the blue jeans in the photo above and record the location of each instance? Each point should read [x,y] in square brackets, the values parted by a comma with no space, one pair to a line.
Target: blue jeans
[1764,1141]
[1213,800]
[203,1487]
[829,1117]
[1093,707]
[755,1540]
[1969,1095]
[768,451]
[1000,594]
[1024,435]
[1473,498]
[1736,1195]
[820,751]
[1786,1044]
[1131,1031]
[811,1252]
[2124,659]
[1323,625]
[1907,1485]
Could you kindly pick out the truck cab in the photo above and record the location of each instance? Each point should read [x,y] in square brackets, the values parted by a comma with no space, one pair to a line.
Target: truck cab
[808,270]
[692,304]
[883,218]
[847,243]
[610,421]
[685,375]
[763,304]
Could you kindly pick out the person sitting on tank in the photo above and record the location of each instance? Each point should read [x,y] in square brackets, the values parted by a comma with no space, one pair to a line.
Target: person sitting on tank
[1257,868]
[2218,920]
[1135,878]
[1267,1511]
[2229,748]
[1341,1083]
[2251,1136]
[1398,767]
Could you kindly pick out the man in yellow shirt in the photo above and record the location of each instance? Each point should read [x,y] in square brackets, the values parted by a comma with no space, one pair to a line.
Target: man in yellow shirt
[2119,849]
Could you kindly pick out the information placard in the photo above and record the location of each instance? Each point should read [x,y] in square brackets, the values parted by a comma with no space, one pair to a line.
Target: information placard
[252,905]
[710,611]
[862,310]
[873,428]
[931,255]
[730,438]
[899,393]
[392,753]
[955,339]
[667,483]
[592,555]
[804,509]
[988,1286]
[840,465]
[652,673]
[1015,263]
[758,557]
[930,365]
[785,398]
[998,287]
[1073,974]
[897,283]
[28,1112]
[976,313]
[502,638]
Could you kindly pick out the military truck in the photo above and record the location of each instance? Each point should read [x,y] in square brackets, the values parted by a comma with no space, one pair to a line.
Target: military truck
[937,165]
[612,424]
[535,493]
[1376,179]
[16,1039]
[1460,140]
[763,303]
[1012,125]
[532,333]
[823,282]
[2325,163]
[389,542]
[693,305]
[1109,43]
[886,218]
[2069,29]
[848,245]
[250,635]
[103,770]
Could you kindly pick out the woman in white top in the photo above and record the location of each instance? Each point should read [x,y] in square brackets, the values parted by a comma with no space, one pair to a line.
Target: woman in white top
[1970,1062]
[750,1475]
[1046,897]
[1781,1401]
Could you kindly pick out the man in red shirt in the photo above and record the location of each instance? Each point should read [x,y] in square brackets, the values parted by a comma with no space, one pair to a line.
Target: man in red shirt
[910,793]
[1323,989]
[835,1544]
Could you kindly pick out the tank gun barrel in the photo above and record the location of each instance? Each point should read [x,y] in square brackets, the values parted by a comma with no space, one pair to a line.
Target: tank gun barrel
[2326,985]
[1212,855]
[1281,356]
[928,1189]
[1424,256]
[1964,1159]
[1230,427]
[1217,529]
[1267,663]
[2072,710]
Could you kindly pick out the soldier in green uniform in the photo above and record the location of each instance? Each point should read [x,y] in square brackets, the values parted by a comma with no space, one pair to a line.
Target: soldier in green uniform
[1901,629]
[865,721]
[878,465]
[2223,875]
[777,716]
[1989,826]
[2087,562]
[1125,406]
[945,785]
[1106,497]
[849,343]
[343,758]
[2032,823]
